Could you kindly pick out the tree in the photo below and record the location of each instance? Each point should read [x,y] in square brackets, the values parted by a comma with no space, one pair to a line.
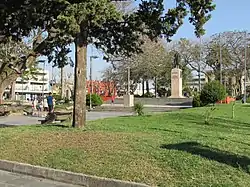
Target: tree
[212,92]
[97,22]
[11,63]
[233,45]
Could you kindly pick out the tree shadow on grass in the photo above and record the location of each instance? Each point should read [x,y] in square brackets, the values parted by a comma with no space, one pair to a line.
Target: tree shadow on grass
[165,130]
[199,119]
[5,126]
[195,148]
[54,125]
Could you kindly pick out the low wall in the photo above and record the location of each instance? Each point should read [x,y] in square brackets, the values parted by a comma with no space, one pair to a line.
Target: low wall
[159,101]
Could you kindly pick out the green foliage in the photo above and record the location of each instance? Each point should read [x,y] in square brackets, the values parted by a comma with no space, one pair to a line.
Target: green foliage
[209,115]
[187,90]
[212,92]
[66,100]
[138,109]
[148,95]
[95,98]
[196,101]
[57,97]
[248,100]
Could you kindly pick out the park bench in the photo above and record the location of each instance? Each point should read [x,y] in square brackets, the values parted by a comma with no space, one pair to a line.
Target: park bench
[28,112]
[4,111]
[56,117]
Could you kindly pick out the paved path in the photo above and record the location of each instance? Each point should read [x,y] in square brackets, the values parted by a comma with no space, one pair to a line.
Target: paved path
[24,120]
[17,180]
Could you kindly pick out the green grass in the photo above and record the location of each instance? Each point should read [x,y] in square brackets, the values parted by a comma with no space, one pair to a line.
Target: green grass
[171,149]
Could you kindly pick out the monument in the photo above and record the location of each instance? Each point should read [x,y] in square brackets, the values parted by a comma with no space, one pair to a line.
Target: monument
[176,78]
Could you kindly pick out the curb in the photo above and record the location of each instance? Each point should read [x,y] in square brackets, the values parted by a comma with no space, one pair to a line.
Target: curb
[64,176]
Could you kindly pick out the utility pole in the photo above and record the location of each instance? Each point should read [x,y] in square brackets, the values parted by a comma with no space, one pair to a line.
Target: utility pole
[245,69]
[91,81]
[199,65]
[52,78]
[220,59]
[128,80]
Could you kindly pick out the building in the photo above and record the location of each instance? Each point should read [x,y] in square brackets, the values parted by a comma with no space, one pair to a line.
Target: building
[27,89]
[193,84]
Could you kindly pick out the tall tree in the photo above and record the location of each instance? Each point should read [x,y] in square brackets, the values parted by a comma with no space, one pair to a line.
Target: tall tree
[98,22]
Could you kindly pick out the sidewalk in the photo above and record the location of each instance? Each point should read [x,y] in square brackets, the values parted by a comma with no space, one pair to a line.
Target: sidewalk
[8,179]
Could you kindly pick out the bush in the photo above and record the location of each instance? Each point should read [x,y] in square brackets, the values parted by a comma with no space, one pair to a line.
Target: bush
[248,100]
[212,92]
[196,101]
[148,95]
[96,100]
[57,97]
[138,109]
[187,91]
[66,100]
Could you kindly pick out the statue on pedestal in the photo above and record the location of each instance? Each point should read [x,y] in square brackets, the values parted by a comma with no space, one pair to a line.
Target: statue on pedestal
[177,60]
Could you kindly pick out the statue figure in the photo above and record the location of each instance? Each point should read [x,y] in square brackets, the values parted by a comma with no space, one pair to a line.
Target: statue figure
[177,59]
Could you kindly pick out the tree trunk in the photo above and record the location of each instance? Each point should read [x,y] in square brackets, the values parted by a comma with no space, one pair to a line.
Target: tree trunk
[62,83]
[12,93]
[79,116]
[1,96]
[155,87]
[147,86]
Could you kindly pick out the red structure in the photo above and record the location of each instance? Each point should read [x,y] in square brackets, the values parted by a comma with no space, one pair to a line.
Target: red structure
[106,90]
[227,100]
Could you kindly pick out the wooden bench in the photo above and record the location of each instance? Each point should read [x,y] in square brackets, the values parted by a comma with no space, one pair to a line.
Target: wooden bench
[28,112]
[56,116]
[4,113]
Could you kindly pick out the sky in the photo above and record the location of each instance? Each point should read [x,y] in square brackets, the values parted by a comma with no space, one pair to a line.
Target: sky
[229,15]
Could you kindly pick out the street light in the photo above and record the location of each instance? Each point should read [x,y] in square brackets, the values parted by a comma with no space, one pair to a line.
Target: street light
[90,77]
[43,61]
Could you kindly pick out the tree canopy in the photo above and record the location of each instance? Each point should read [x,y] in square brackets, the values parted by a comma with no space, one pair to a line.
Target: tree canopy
[62,22]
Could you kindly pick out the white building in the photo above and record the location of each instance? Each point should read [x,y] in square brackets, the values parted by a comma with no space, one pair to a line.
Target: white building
[139,88]
[193,84]
[38,85]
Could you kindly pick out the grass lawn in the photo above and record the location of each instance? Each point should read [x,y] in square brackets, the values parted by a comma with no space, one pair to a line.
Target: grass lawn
[171,149]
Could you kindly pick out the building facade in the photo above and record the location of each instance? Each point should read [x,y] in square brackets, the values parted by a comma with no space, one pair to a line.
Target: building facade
[27,89]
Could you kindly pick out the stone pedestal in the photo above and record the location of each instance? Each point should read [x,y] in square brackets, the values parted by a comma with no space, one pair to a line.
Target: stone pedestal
[176,83]
[128,100]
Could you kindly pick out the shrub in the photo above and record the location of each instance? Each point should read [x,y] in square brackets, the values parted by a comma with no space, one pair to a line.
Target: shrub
[187,91]
[66,100]
[96,100]
[196,101]
[138,109]
[212,92]
[57,97]
[148,95]
[209,115]
[248,100]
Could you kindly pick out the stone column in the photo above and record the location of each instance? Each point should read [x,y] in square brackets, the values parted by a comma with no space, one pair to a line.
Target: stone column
[128,100]
[176,83]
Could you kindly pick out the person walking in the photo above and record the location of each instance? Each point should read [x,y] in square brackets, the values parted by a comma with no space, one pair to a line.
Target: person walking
[50,102]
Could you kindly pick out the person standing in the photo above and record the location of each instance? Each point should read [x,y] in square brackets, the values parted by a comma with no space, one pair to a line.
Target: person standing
[50,102]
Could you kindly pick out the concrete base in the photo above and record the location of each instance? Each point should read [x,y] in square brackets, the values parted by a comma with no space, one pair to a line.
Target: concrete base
[177,97]
[128,100]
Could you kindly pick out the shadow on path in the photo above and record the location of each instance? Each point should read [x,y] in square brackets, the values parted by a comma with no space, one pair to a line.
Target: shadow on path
[236,161]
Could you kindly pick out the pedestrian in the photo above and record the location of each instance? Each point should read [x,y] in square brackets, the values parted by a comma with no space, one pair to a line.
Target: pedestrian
[112,99]
[50,102]
[45,105]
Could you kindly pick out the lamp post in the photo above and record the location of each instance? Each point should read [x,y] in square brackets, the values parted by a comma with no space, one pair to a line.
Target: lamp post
[91,83]
[22,89]
[43,61]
